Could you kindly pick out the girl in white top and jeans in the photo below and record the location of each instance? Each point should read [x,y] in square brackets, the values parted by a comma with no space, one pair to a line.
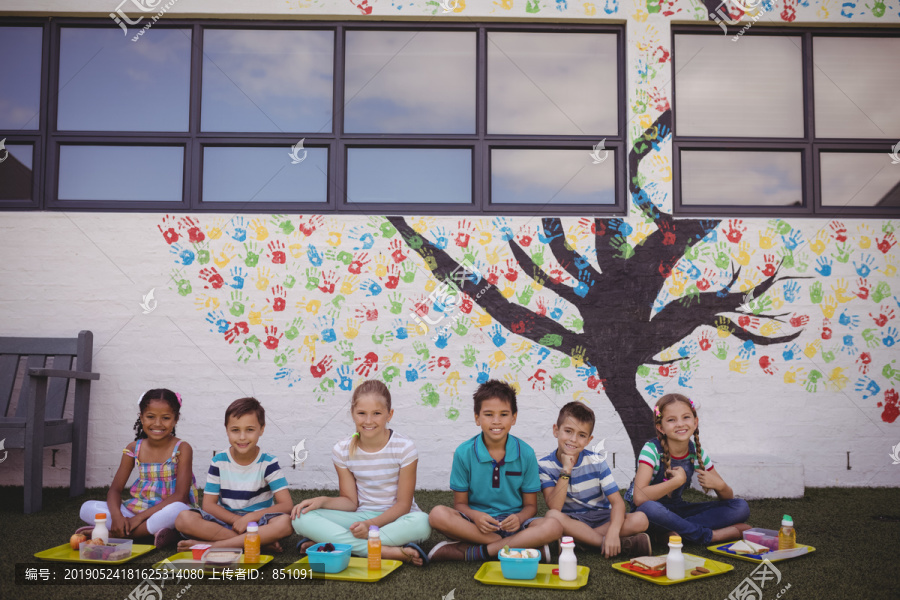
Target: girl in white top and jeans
[376,470]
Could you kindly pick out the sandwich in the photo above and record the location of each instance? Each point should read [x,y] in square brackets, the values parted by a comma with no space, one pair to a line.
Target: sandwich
[651,563]
[745,547]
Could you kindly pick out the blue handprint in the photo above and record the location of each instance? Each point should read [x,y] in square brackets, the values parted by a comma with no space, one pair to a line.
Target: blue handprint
[622,228]
[344,373]
[237,278]
[287,374]
[372,287]
[315,259]
[414,371]
[584,284]
[710,231]
[793,240]
[218,318]
[824,268]
[661,135]
[586,371]
[792,291]
[400,330]
[687,349]
[655,389]
[791,353]
[551,230]
[865,265]
[497,336]
[484,373]
[581,263]
[748,349]
[502,225]
[685,377]
[328,333]
[442,339]
[693,271]
[543,352]
[185,256]
[849,347]
[365,239]
[890,337]
[240,230]
[441,240]
[867,386]
[848,320]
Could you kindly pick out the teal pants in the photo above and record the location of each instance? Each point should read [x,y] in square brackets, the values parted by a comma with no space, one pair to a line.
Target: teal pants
[325,525]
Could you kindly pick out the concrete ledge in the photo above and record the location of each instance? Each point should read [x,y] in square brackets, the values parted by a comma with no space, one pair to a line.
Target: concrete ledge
[762,476]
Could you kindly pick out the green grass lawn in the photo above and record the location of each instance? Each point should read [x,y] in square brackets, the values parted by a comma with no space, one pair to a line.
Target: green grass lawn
[856,533]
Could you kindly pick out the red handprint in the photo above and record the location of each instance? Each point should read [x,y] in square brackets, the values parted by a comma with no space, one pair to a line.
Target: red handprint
[464,234]
[826,329]
[789,13]
[767,365]
[862,289]
[538,380]
[799,320]
[736,229]
[511,274]
[492,276]
[864,360]
[212,276]
[595,383]
[887,243]
[769,269]
[557,276]
[277,300]
[542,307]
[308,227]
[392,279]
[320,368]
[368,314]
[168,230]
[396,248]
[238,329]
[367,364]
[745,322]
[668,370]
[705,341]
[668,230]
[840,232]
[658,98]
[272,337]
[421,307]
[359,261]
[887,313]
[666,265]
[466,304]
[276,252]
[195,235]
[328,279]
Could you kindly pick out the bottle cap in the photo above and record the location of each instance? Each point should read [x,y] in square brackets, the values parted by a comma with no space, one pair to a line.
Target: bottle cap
[100,516]
[675,539]
[787,521]
[567,539]
[373,531]
[252,526]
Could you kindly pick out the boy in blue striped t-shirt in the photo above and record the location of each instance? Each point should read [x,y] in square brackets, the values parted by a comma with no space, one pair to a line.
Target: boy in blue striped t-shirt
[581,492]
[244,485]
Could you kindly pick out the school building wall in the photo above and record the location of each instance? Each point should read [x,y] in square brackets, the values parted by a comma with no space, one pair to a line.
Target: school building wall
[807,412]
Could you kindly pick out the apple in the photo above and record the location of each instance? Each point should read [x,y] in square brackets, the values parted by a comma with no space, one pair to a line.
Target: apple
[76,540]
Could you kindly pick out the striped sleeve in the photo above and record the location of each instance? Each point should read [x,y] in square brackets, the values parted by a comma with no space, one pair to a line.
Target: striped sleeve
[213,477]
[707,463]
[274,477]
[340,454]
[548,472]
[409,454]
[607,481]
[649,456]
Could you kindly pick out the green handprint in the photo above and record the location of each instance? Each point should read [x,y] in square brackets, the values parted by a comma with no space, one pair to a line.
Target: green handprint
[812,380]
[537,256]
[643,371]
[559,384]
[415,241]
[292,331]
[787,257]
[396,301]
[691,252]
[890,372]
[561,362]
[470,355]
[282,359]
[283,223]
[327,384]
[802,265]
[524,297]
[721,351]
[881,291]
[887,227]
[408,273]
[429,395]
[844,251]
[691,293]
[551,339]
[452,413]
[421,350]
[815,292]
[390,373]
[252,257]
[344,257]
[289,281]
[470,255]
[871,340]
[236,306]
[312,279]
[377,338]
[781,227]
[202,256]
[625,250]
[722,259]
[460,327]
[828,355]
[345,349]
[760,305]
[575,323]
[387,230]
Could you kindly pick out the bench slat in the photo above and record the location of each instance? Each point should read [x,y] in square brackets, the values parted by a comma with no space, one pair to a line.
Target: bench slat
[34,362]
[46,346]
[59,386]
[9,364]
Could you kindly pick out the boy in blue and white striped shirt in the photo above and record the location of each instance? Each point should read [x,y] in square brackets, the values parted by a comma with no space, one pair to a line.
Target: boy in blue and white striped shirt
[244,485]
[581,492]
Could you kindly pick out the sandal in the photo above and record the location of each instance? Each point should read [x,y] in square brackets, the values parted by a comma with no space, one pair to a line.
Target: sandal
[86,530]
[165,537]
[422,554]
[302,541]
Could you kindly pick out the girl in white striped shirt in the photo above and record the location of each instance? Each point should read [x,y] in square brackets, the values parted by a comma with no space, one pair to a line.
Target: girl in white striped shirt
[376,470]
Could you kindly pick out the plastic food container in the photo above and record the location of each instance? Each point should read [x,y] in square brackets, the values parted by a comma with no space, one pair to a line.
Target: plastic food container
[117,549]
[328,562]
[198,549]
[519,568]
[222,556]
[763,537]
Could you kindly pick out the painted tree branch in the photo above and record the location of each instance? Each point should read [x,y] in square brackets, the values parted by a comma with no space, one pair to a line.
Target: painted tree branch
[527,264]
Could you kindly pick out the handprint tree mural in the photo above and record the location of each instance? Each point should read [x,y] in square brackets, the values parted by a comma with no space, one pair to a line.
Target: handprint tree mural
[623,326]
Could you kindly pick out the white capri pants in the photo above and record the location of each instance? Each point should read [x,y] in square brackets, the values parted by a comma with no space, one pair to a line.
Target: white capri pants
[164,518]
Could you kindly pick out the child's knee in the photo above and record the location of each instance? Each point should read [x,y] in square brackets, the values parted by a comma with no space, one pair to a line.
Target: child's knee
[184,519]
[741,509]
[637,520]
[280,526]
[650,508]
[439,517]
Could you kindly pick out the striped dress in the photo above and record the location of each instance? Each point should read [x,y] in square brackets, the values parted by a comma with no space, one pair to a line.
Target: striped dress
[155,481]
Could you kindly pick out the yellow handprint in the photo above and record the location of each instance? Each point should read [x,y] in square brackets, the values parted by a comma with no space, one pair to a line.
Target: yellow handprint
[837,380]
[261,281]
[259,229]
[828,306]
[311,306]
[348,284]
[812,348]
[744,254]
[792,375]
[737,365]
[770,328]
[818,244]
[352,329]
[224,256]
[259,317]
[215,232]
[767,238]
[840,290]
[205,302]
[497,359]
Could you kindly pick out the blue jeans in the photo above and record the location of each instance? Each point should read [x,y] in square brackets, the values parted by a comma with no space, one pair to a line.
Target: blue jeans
[694,521]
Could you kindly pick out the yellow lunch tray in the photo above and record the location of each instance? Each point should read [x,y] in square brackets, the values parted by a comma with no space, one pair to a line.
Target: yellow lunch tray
[357,570]
[185,560]
[490,573]
[800,550]
[715,568]
[64,553]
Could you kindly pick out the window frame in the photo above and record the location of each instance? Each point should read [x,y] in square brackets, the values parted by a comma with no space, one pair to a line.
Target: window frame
[48,138]
[809,145]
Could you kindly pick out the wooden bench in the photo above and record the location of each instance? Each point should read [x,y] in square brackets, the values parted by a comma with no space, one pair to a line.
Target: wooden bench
[39,415]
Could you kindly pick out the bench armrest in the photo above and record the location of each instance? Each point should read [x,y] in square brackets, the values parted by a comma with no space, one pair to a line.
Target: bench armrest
[63,373]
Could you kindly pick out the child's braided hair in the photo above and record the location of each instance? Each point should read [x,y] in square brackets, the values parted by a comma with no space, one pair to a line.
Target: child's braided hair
[661,404]
[167,396]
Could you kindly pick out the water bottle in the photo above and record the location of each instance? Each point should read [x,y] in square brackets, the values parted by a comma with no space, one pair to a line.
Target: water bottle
[568,564]
[100,530]
[374,548]
[787,535]
[251,543]
[675,559]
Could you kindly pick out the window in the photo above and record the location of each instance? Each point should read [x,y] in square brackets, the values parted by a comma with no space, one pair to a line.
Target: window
[314,117]
[786,122]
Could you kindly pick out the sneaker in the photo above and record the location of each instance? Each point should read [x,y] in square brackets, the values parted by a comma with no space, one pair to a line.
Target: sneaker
[547,556]
[636,545]
[165,537]
[448,551]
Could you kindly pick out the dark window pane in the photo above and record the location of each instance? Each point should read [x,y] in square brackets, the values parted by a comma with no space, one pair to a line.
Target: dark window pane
[124,173]
[857,84]
[107,83]
[552,177]
[264,175]
[278,81]
[410,82]
[16,176]
[409,175]
[859,179]
[752,88]
[552,83]
[741,178]
[20,77]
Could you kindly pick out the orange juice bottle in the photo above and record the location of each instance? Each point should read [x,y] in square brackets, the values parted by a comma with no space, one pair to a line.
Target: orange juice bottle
[251,543]
[374,548]
[787,536]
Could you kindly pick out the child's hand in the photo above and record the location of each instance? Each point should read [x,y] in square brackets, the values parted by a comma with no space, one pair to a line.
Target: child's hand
[307,505]
[568,462]
[117,526]
[612,545]
[360,529]
[132,523]
[511,524]
[486,523]
[677,474]
[240,526]
[710,480]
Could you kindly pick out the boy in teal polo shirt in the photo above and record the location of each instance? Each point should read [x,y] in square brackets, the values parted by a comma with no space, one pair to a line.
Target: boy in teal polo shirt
[495,482]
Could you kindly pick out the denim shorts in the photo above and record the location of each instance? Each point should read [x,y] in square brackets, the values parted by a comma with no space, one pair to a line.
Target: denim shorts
[208,517]
[592,518]
[502,532]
